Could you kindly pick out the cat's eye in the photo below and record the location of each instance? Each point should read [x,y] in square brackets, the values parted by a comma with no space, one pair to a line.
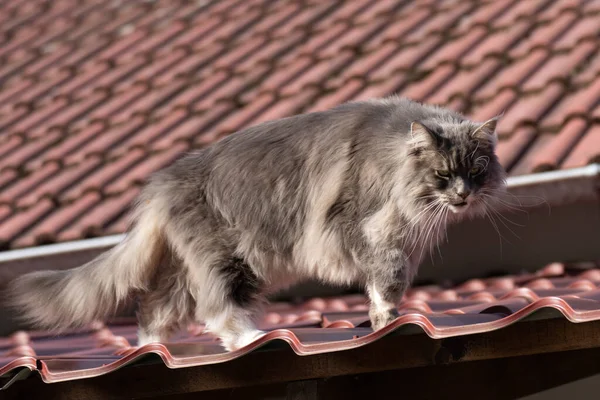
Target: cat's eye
[475,170]
[442,173]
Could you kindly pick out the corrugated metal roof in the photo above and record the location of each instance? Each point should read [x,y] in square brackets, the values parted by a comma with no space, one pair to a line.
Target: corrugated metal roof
[317,325]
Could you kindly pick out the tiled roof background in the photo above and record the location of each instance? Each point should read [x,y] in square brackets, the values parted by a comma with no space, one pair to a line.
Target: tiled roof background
[321,325]
[95,95]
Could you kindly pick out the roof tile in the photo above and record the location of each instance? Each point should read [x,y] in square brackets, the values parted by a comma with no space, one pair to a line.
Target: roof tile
[526,163]
[95,219]
[141,171]
[466,81]
[100,178]
[497,44]
[520,10]
[579,103]
[455,50]
[560,66]
[531,108]
[554,152]
[68,145]
[27,183]
[348,91]
[514,74]
[58,182]
[32,148]
[420,90]
[94,91]
[19,222]
[544,35]
[587,149]
[440,22]
[45,230]
[585,28]
[110,138]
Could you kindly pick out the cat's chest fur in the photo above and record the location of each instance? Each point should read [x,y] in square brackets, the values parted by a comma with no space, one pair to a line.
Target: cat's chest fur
[414,232]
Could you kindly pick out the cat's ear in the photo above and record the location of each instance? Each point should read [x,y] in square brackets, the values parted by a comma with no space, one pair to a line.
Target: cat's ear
[486,132]
[421,136]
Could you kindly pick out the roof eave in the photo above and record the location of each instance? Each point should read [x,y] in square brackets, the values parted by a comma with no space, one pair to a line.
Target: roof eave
[557,187]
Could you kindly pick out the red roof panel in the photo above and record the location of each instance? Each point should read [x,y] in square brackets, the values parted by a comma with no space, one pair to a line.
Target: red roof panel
[318,325]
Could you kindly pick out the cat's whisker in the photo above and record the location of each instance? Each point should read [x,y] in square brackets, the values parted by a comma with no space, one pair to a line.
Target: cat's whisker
[500,214]
[496,228]
[492,219]
[443,218]
[517,197]
[415,219]
[496,197]
[501,218]
[427,247]
[417,240]
[431,230]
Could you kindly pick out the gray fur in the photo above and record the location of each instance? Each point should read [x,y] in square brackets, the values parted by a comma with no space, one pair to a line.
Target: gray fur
[349,195]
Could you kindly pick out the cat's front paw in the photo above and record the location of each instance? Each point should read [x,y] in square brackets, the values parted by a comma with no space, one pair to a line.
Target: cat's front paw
[381,318]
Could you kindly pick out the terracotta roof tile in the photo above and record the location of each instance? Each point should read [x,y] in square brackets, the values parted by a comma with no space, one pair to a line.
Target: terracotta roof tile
[58,182]
[101,177]
[89,87]
[531,108]
[315,325]
[98,217]
[585,28]
[535,144]
[511,150]
[19,222]
[140,172]
[560,66]
[587,149]
[7,176]
[29,182]
[106,139]
[513,75]
[424,88]
[45,230]
[550,157]
[579,103]
[543,35]
[465,82]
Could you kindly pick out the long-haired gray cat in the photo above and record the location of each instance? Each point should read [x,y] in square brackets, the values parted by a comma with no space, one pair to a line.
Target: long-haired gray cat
[356,194]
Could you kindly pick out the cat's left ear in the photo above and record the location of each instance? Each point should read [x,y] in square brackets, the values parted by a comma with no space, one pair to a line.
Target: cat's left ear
[422,136]
[486,132]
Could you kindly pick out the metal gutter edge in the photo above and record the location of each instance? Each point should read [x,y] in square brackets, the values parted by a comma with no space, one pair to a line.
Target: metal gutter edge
[61,248]
[589,171]
[555,187]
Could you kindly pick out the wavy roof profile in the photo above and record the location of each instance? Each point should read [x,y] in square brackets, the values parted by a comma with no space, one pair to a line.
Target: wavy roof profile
[96,95]
[316,326]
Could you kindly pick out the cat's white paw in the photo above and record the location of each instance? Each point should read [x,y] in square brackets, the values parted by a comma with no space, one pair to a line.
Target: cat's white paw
[381,318]
[232,342]
[146,338]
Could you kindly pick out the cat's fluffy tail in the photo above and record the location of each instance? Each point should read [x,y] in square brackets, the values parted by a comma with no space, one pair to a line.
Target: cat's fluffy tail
[93,291]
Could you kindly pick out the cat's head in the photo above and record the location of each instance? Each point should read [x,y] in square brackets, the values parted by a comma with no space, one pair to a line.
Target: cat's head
[456,164]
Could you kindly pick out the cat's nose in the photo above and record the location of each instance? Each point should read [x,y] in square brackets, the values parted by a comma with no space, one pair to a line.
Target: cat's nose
[463,193]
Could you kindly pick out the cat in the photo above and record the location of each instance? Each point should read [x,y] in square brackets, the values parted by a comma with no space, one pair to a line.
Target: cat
[358,193]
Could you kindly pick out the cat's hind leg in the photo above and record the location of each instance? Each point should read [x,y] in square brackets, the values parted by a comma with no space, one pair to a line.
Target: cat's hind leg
[166,306]
[229,301]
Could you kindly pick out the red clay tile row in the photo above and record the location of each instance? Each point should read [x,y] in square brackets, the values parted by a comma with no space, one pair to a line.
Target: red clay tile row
[90,90]
[318,325]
